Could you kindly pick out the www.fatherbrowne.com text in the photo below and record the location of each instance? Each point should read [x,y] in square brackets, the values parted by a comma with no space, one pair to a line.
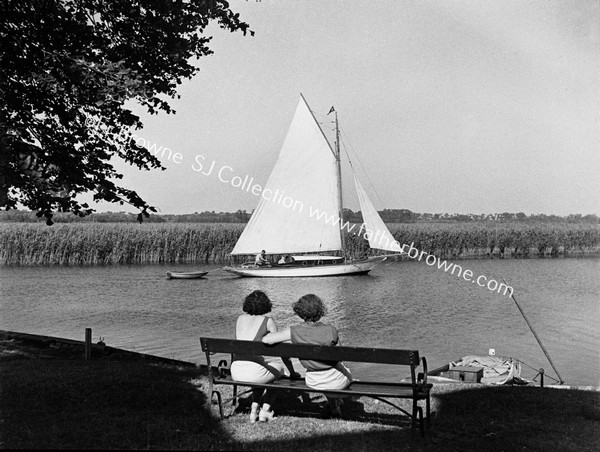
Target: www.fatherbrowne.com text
[226,175]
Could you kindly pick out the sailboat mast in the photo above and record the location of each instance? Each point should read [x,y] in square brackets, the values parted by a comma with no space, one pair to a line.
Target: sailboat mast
[339,181]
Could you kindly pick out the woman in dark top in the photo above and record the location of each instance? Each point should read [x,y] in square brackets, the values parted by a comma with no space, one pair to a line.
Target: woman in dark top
[319,374]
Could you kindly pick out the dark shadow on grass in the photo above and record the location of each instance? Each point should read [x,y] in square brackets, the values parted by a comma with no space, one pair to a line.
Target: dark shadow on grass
[516,418]
[392,440]
[53,399]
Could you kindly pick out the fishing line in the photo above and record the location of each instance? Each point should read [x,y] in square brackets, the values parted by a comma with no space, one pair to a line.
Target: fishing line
[561,381]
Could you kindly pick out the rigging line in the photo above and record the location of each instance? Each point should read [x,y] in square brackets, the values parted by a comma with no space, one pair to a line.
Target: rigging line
[528,365]
[561,381]
[537,370]
[361,165]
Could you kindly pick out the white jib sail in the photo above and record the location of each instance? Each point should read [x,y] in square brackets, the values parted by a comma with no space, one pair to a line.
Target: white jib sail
[376,232]
[298,209]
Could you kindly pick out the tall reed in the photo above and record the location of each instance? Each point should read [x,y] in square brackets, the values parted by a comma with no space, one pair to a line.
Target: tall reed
[122,243]
[115,243]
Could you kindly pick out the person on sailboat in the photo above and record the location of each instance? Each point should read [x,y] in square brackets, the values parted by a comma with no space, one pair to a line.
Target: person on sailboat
[319,375]
[252,326]
[287,259]
[261,259]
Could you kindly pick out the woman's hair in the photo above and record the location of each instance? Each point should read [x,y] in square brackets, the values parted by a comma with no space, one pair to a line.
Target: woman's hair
[257,303]
[310,308]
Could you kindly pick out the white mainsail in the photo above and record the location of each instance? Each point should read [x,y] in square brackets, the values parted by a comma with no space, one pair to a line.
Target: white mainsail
[377,233]
[302,185]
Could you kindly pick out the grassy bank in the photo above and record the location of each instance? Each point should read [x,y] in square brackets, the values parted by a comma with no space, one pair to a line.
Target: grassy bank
[50,398]
[127,243]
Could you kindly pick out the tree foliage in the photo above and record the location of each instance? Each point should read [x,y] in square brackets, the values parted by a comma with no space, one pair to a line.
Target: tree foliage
[67,68]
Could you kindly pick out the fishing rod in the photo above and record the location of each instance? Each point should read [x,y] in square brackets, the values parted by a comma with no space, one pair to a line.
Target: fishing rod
[536,336]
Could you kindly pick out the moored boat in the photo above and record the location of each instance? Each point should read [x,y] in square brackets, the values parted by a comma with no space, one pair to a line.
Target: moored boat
[186,275]
[491,370]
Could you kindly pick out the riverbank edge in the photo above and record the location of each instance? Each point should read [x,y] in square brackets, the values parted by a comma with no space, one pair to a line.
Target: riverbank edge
[593,254]
[105,350]
[98,349]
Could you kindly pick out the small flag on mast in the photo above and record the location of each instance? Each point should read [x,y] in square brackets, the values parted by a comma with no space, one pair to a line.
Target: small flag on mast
[332,109]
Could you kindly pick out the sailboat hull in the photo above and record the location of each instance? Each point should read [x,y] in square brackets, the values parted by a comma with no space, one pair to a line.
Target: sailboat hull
[350,268]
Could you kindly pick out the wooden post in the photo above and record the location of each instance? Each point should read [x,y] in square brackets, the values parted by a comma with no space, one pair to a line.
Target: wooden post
[88,344]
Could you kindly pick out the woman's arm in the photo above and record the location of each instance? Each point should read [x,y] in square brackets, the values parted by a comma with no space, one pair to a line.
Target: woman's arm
[293,374]
[271,327]
[279,336]
[335,338]
[275,337]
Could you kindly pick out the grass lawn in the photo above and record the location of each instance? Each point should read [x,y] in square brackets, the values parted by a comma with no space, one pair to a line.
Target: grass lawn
[52,399]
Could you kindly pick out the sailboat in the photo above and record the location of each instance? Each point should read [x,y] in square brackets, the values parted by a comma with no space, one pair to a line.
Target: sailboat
[299,216]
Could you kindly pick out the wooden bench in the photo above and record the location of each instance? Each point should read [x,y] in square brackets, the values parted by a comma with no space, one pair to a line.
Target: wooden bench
[414,387]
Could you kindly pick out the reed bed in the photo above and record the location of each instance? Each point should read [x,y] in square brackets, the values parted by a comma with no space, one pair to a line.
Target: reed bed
[511,239]
[115,243]
[120,243]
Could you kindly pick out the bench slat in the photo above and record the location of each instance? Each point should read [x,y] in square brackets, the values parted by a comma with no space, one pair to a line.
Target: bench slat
[315,352]
[357,388]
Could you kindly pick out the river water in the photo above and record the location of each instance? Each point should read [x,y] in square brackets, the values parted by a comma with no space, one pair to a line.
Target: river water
[404,304]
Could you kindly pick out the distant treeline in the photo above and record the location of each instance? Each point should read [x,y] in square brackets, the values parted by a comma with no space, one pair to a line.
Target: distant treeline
[241,216]
[110,243]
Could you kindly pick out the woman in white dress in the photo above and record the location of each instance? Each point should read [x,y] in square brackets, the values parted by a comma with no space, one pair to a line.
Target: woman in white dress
[252,325]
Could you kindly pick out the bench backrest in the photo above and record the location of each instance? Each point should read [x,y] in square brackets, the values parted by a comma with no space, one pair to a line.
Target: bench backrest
[312,352]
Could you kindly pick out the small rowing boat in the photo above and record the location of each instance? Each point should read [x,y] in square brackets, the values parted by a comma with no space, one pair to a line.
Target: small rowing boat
[494,370]
[185,275]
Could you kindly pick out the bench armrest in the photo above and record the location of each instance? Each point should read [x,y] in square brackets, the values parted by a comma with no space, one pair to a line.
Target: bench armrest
[222,368]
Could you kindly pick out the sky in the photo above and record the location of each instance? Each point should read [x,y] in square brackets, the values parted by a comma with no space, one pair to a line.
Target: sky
[444,106]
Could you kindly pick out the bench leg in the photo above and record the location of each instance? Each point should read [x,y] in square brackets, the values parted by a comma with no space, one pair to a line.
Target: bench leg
[417,416]
[218,394]
[420,409]
[413,423]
